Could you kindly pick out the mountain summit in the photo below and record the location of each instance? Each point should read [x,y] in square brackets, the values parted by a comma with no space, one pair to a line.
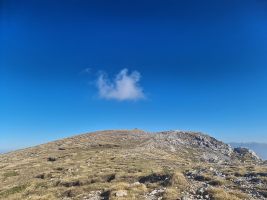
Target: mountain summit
[133,164]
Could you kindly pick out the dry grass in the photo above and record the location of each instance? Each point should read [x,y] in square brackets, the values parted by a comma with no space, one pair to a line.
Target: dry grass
[178,180]
[171,193]
[221,194]
[105,163]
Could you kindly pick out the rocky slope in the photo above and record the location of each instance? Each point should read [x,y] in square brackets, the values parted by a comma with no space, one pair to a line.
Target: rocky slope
[259,148]
[122,164]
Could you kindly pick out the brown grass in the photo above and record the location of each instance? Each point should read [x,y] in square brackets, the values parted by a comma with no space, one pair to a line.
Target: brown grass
[221,194]
[106,163]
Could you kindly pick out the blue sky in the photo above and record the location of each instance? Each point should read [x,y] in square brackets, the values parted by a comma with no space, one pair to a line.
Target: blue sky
[69,67]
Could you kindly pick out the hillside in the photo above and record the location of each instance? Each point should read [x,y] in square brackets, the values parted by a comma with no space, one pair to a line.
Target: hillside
[123,164]
[259,148]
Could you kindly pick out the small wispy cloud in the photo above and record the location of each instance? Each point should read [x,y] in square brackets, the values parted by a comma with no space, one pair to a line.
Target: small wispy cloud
[124,87]
[87,70]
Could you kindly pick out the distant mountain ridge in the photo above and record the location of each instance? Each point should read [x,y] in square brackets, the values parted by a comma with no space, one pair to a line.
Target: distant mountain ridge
[259,148]
[4,151]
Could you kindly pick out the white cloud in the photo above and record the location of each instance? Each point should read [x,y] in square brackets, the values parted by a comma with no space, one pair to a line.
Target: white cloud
[124,87]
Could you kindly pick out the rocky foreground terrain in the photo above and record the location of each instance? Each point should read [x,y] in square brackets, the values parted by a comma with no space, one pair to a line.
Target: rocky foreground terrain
[123,164]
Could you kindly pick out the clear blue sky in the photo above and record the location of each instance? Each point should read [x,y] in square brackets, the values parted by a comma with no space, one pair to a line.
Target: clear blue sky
[202,66]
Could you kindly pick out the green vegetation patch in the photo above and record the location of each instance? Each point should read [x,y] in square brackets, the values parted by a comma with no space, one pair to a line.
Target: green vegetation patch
[13,190]
[10,174]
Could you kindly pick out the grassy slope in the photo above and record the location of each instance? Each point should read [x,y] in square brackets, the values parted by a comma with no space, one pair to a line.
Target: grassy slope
[105,163]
